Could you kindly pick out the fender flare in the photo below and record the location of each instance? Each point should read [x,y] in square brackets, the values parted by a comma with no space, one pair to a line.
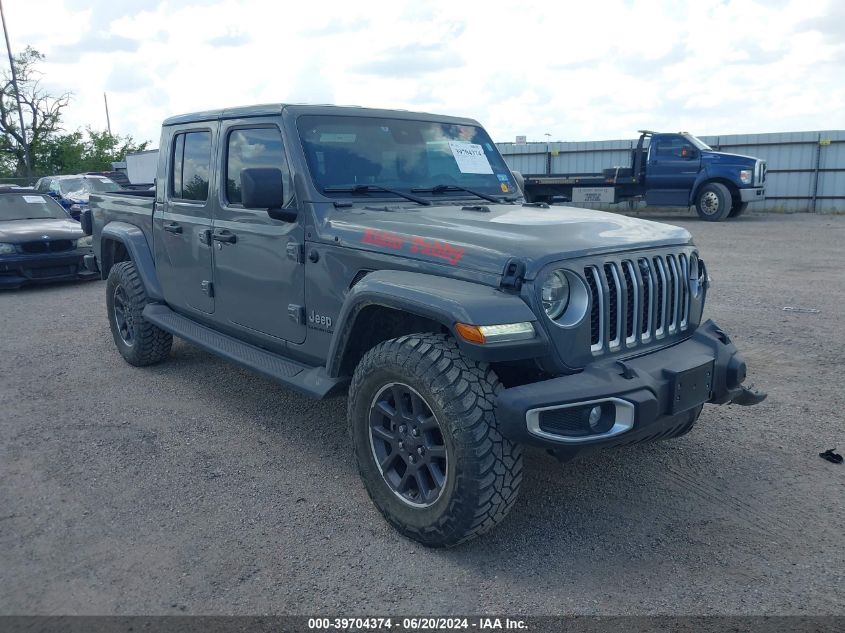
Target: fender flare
[705,178]
[444,300]
[140,253]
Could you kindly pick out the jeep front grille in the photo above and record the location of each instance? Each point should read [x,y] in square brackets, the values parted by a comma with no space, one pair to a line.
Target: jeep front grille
[634,301]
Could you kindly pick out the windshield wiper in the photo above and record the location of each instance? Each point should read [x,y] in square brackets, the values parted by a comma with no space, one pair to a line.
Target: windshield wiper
[445,188]
[368,188]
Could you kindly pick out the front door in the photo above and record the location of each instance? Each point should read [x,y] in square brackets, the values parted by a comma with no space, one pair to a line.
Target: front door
[259,276]
[673,164]
[183,222]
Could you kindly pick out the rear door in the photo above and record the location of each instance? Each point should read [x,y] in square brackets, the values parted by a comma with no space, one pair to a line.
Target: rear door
[258,271]
[183,220]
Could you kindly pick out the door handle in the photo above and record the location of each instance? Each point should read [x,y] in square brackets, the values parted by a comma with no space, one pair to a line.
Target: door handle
[225,236]
[173,227]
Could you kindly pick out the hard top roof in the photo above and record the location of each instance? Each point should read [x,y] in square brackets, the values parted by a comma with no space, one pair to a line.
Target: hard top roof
[271,109]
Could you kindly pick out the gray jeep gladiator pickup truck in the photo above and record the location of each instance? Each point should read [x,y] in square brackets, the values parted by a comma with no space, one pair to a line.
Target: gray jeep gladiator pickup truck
[392,254]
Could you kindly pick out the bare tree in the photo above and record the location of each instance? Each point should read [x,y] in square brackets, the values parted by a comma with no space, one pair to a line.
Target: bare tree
[42,113]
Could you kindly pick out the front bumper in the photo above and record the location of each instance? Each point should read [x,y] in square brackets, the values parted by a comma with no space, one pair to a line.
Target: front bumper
[20,269]
[652,396]
[752,194]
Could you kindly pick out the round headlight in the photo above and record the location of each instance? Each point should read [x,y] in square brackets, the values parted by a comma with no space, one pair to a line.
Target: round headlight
[554,294]
[84,242]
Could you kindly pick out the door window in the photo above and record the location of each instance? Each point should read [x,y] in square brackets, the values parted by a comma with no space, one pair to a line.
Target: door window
[673,148]
[255,147]
[191,165]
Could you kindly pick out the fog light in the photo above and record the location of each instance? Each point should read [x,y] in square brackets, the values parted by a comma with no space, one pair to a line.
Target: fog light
[595,418]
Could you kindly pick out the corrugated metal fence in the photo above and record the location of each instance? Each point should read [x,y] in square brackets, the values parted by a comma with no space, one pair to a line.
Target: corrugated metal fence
[806,169]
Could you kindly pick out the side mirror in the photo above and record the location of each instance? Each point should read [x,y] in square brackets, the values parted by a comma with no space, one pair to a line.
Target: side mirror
[261,188]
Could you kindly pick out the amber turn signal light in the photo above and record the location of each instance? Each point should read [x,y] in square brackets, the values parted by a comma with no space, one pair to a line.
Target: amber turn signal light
[481,334]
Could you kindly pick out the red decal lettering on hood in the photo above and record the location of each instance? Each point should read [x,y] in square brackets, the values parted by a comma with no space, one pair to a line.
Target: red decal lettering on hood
[441,250]
[383,238]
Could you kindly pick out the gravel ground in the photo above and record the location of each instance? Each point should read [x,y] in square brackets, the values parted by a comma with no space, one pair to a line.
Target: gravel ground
[196,487]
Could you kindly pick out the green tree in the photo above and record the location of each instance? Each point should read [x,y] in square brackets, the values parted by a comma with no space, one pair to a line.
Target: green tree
[42,114]
[78,152]
[102,149]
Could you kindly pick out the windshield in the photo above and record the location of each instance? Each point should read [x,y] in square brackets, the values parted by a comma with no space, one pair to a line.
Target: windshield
[87,185]
[345,152]
[15,206]
[698,143]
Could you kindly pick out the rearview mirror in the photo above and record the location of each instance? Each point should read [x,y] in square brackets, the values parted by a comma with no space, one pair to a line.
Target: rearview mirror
[261,188]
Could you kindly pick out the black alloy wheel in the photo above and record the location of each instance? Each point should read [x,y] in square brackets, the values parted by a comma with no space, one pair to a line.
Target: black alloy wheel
[123,316]
[408,445]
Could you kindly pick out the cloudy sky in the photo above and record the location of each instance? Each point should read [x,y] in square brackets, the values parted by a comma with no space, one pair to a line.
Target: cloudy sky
[577,70]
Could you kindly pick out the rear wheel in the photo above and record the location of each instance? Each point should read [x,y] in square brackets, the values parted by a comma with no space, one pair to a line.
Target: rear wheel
[138,341]
[738,209]
[713,202]
[424,431]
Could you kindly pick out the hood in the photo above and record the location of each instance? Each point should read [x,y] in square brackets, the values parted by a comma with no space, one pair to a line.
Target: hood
[729,159]
[16,231]
[485,241]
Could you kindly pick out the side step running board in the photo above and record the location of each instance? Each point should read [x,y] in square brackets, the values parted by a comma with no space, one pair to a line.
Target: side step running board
[311,381]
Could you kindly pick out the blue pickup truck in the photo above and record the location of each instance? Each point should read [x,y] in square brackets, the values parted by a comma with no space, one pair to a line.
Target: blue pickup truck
[667,170]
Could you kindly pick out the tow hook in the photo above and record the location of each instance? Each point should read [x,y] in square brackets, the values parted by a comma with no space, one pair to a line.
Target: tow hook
[749,396]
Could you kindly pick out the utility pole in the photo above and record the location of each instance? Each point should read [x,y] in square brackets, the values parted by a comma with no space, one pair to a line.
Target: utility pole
[548,153]
[108,120]
[27,154]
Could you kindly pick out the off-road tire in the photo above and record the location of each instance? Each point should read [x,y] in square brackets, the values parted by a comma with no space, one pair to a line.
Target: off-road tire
[484,470]
[693,414]
[738,209]
[713,202]
[149,344]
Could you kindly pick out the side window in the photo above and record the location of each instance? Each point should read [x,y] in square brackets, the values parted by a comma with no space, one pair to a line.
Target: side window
[254,147]
[191,164]
[672,147]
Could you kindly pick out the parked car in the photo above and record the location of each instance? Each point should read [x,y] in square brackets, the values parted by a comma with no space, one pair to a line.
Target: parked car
[38,241]
[72,191]
[392,254]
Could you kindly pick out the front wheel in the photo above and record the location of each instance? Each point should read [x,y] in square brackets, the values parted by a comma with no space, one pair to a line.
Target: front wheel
[713,202]
[424,432]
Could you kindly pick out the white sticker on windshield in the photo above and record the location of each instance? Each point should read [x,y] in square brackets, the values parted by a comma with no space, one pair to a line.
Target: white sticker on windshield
[34,199]
[470,158]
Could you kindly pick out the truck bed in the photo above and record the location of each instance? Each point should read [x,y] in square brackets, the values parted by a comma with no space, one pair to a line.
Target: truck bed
[133,207]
